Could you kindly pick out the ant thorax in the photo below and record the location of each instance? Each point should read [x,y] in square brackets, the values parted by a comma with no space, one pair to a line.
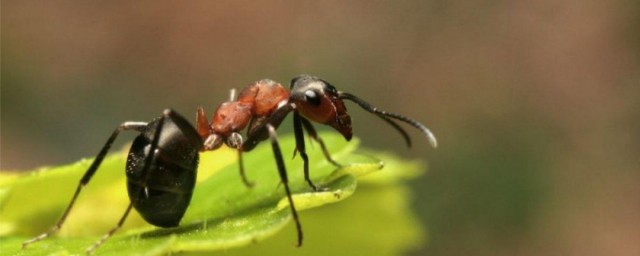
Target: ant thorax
[254,104]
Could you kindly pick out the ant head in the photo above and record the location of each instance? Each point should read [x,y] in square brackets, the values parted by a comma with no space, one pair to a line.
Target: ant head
[319,101]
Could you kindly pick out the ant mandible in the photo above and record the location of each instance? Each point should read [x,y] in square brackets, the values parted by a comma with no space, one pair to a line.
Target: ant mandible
[162,161]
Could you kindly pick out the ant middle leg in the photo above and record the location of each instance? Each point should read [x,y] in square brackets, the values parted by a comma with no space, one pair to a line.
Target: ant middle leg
[125,126]
[236,141]
[243,175]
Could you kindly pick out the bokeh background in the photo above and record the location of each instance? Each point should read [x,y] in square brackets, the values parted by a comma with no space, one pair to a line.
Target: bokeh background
[536,104]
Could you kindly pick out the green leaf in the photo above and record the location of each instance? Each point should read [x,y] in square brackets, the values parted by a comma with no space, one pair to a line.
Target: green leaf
[223,213]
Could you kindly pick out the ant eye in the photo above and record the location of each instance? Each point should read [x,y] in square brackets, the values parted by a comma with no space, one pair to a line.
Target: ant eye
[312,97]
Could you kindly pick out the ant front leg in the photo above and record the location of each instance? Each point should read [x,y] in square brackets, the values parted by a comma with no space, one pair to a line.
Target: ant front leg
[277,153]
[314,135]
[300,147]
[126,126]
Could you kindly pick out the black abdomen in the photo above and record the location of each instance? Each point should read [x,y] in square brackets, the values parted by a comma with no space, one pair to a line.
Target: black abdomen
[162,194]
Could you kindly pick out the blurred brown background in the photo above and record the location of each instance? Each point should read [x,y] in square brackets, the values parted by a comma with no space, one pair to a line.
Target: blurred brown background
[536,104]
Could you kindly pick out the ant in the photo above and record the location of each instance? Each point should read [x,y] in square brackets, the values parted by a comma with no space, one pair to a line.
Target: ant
[162,161]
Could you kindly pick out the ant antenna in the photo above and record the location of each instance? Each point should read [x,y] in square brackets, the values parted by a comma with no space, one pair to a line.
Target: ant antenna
[386,117]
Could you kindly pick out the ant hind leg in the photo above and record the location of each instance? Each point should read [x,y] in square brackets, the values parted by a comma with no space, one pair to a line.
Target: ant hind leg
[125,126]
[145,173]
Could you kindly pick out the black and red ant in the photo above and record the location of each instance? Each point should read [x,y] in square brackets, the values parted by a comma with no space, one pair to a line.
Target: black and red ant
[163,160]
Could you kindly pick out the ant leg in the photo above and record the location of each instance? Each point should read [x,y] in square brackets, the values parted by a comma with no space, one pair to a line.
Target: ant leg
[145,173]
[152,149]
[126,126]
[300,147]
[110,233]
[246,181]
[283,177]
[235,141]
[314,135]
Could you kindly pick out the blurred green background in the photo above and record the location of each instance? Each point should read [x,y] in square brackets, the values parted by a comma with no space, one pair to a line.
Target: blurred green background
[536,104]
